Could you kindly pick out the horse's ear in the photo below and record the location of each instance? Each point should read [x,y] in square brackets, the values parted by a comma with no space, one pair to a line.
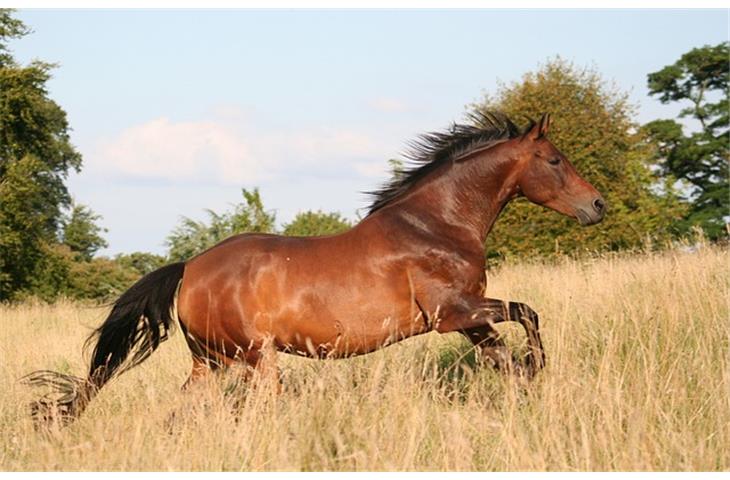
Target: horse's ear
[544,124]
[539,129]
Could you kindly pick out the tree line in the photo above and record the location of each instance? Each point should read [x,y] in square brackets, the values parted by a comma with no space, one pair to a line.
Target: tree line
[660,180]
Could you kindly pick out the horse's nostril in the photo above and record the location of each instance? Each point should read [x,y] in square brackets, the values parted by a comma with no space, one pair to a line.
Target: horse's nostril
[598,205]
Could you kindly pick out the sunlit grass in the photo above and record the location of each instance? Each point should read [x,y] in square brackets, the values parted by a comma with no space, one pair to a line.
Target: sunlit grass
[638,378]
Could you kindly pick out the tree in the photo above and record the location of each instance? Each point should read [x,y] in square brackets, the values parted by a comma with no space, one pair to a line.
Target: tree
[698,160]
[592,126]
[24,235]
[63,274]
[35,158]
[100,279]
[141,262]
[309,223]
[81,233]
[9,28]
[192,237]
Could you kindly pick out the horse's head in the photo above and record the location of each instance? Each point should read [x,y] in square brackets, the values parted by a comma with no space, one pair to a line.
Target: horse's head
[546,177]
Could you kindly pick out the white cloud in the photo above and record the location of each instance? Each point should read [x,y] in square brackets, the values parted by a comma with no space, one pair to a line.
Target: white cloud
[228,150]
[162,149]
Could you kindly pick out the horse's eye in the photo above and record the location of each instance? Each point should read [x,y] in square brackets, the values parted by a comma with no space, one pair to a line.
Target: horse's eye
[554,161]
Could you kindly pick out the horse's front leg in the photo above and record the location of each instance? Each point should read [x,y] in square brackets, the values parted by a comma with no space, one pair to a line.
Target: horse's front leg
[476,319]
[530,321]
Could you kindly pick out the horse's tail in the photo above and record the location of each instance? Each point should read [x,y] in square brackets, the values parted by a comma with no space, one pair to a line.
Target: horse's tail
[139,320]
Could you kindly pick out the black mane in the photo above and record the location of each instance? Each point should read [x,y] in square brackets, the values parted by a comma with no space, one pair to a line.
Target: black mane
[431,150]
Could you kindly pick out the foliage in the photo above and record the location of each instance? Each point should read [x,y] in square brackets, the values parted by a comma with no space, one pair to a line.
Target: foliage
[311,223]
[192,237]
[52,277]
[592,126]
[99,279]
[31,124]
[141,262]
[35,158]
[9,28]
[81,233]
[62,273]
[699,160]
[23,224]
[58,269]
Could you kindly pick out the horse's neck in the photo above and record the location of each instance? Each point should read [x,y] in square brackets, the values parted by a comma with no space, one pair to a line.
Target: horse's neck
[466,197]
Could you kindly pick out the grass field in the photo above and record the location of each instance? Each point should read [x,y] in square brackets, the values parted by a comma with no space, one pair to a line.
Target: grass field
[638,378]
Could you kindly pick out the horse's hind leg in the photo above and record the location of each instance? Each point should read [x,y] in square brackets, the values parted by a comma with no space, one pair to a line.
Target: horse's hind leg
[205,359]
[258,363]
[202,369]
[262,361]
[196,385]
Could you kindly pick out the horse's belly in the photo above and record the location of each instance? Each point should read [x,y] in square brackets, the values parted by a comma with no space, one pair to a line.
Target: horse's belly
[342,336]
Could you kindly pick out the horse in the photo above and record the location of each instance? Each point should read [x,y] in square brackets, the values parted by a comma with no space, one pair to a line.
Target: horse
[414,264]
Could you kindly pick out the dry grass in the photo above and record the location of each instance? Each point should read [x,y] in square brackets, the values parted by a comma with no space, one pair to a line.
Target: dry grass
[638,378]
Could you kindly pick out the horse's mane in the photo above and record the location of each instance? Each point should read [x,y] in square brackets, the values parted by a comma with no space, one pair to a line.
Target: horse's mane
[432,150]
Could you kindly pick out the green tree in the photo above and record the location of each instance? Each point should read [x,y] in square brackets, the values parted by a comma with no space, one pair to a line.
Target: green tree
[24,233]
[100,279]
[192,237]
[698,160]
[306,224]
[62,273]
[141,262]
[9,28]
[53,274]
[81,233]
[592,126]
[35,157]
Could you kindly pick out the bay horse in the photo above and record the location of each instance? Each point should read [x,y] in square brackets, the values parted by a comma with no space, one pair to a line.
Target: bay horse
[414,264]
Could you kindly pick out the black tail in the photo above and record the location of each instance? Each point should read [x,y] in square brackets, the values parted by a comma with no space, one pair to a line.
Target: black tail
[139,321]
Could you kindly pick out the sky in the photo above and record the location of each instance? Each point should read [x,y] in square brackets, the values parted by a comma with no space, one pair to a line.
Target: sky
[174,111]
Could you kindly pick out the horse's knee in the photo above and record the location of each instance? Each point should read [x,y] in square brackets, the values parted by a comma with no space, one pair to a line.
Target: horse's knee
[483,336]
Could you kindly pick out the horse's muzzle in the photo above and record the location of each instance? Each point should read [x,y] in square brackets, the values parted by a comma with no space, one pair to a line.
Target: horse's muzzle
[593,214]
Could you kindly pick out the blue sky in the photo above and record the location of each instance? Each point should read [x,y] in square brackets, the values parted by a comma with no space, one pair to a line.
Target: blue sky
[175,111]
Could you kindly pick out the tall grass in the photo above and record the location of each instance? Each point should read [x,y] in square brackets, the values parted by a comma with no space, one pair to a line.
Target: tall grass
[638,378]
